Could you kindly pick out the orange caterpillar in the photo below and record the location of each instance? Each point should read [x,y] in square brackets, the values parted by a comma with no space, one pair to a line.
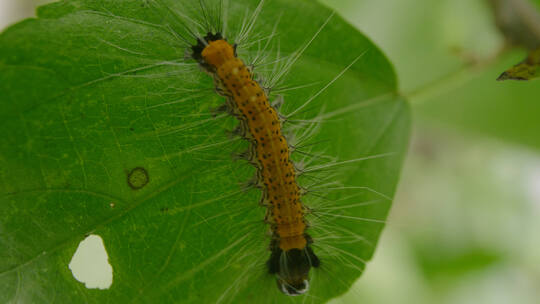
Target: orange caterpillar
[292,256]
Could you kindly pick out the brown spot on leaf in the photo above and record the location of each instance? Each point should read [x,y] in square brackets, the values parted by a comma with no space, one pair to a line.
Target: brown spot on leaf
[137,178]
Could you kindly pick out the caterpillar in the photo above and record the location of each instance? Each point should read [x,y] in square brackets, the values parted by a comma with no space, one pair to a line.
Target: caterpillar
[292,256]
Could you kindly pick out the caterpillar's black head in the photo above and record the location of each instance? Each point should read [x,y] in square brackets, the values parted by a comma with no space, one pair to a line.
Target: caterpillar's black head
[202,43]
[291,268]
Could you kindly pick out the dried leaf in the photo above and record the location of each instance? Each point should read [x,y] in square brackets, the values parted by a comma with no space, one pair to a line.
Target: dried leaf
[526,70]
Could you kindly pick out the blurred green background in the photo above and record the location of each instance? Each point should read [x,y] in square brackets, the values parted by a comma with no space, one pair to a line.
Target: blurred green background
[464,227]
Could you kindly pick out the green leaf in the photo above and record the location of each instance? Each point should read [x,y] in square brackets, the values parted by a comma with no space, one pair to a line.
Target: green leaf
[108,130]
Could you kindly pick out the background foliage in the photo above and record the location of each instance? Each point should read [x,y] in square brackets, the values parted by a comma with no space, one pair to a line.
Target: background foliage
[463,226]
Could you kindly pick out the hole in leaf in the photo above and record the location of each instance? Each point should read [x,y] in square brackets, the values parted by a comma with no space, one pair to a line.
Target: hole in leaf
[90,263]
